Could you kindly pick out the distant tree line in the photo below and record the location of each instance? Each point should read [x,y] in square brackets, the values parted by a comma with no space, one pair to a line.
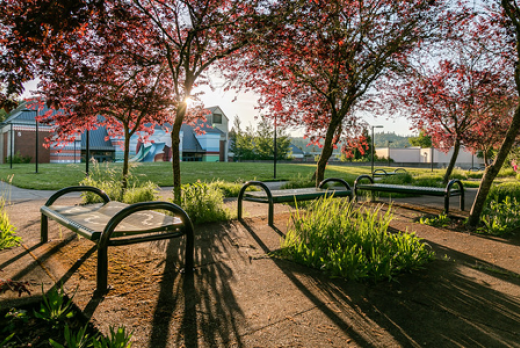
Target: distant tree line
[249,144]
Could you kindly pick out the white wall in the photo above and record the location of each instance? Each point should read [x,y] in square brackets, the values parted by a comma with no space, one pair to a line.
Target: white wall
[424,155]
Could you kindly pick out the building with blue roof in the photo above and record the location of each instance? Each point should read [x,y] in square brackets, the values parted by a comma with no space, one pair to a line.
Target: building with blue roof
[18,136]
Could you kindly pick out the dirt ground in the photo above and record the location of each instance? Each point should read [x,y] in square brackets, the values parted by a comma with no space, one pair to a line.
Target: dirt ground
[241,297]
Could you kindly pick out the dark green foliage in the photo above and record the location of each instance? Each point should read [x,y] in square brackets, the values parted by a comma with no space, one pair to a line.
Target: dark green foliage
[203,203]
[352,243]
[18,158]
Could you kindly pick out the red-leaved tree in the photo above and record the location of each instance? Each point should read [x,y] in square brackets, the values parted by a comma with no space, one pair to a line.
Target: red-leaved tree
[32,32]
[321,59]
[109,72]
[455,101]
[500,21]
[193,35]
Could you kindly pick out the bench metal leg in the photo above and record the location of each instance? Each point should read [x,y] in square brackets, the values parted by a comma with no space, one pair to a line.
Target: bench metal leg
[44,229]
[102,271]
[270,217]
[239,213]
[462,202]
[446,204]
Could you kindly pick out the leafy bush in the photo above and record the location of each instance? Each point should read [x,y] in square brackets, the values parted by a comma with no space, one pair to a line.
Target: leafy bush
[501,217]
[351,242]
[506,171]
[499,192]
[300,181]
[57,310]
[458,173]
[8,238]
[398,179]
[18,158]
[437,221]
[204,203]
[229,189]
[109,181]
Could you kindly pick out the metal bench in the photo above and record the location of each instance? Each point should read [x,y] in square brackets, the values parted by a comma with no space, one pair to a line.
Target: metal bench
[113,223]
[289,195]
[454,188]
[382,172]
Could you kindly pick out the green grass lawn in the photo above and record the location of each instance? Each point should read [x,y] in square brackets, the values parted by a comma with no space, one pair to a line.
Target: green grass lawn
[56,176]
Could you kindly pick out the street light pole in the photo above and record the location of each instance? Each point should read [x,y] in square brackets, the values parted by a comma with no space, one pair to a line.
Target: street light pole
[274,148]
[372,168]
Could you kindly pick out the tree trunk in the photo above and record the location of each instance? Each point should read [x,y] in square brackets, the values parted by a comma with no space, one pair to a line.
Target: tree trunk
[453,160]
[326,152]
[176,155]
[126,155]
[492,171]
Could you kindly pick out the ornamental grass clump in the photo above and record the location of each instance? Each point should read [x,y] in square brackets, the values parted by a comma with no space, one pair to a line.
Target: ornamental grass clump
[8,238]
[204,203]
[352,242]
[110,182]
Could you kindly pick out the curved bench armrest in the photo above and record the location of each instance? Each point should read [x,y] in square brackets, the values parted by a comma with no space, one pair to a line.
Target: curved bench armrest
[126,212]
[362,177]
[379,170]
[255,183]
[400,170]
[103,243]
[455,182]
[269,199]
[341,181]
[66,190]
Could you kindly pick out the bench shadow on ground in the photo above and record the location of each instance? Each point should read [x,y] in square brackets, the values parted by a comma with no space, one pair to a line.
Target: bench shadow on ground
[448,303]
[457,301]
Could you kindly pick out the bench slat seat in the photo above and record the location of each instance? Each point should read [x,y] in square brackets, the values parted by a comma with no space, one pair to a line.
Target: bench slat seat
[90,220]
[114,224]
[286,196]
[418,190]
[290,195]
[454,188]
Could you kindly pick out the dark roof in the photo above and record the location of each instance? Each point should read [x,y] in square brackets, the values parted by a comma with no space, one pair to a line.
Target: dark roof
[23,115]
[97,140]
[189,141]
[295,150]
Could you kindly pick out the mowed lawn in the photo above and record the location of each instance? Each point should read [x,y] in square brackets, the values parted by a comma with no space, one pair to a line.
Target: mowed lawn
[56,176]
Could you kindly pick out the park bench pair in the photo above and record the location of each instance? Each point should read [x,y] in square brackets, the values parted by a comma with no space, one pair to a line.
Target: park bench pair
[113,224]
[362,183]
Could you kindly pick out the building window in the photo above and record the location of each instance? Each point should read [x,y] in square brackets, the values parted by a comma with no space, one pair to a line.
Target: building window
[217,118]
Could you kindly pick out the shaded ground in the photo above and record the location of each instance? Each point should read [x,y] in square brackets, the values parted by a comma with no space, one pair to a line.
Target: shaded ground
[240,297]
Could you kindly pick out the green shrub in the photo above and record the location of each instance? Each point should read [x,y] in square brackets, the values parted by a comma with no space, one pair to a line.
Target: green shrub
[398,179]
[109,181]
[351,242]
[506,171]
[437,221]
[299,181]
[18,158]
[499,192]
[458,173]
[8,238]
[204,203]
[229,189]
[501,217]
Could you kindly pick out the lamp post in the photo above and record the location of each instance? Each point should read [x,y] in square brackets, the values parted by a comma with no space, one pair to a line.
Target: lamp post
[37,140]
[372,170]
[274,174]
[389,142]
